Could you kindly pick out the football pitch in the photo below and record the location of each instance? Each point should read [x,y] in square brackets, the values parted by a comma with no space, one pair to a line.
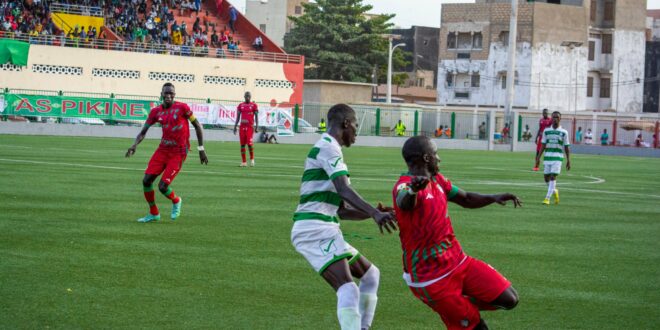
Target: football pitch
[73,256]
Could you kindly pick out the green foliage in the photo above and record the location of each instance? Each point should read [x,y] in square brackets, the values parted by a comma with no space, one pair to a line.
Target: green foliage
[339,42]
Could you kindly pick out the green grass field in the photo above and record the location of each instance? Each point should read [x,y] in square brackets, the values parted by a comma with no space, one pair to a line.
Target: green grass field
[72,255]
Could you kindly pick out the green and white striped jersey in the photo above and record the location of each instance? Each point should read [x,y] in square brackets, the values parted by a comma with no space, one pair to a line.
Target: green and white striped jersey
[318,197]
[554,140]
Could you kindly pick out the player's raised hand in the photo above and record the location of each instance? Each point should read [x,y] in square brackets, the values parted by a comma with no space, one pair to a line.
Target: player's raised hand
[131,151]
[419,183]
[503,198]
[385,220]
[203,158]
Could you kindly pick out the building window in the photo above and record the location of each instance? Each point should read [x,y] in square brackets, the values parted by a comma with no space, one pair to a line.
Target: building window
[477,40]
[262,27]
[607,44]
[463,56]
[592,50]
[464,40]
[608,15]
[503,81]
[450,79]
[298,10]
[462,95]
[605,88]
[475,80]
[504,38]
[420,82]
[451,40]
[590,86]
[593,10]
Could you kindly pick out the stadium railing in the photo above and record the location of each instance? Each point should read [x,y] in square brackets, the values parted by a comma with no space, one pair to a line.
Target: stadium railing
[128,46]
[376,119]
[76,9]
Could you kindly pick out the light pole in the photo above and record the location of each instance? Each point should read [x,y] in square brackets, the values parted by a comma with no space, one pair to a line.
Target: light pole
[389,65]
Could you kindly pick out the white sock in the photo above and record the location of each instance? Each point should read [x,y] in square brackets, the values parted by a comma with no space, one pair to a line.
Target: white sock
[368,298]
[347,306]
[551,188]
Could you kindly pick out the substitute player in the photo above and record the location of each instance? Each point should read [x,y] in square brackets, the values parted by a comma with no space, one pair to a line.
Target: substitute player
[247,114]
[326,193]
[555,143]
[544,123]
[172,151]
[436,269]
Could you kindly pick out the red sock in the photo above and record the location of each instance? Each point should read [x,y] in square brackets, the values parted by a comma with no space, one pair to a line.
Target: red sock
[149,195]
[171,195]
[251,152]
[243,153]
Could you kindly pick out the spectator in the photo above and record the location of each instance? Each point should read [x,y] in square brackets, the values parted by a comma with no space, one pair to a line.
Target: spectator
[505,133]
[322,126]
[578,135]
[233,16]
[215,41]
[482,131]
[639,141]
[604,138]
[588,137]
[448,132]
[527,134]
[266,138]
[439,132]
[258,44]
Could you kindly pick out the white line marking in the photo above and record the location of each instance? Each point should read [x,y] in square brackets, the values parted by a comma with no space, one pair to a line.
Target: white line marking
[596,180]
[298,176]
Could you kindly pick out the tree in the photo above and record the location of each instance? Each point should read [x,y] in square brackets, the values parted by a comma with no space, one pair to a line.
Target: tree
[338,41]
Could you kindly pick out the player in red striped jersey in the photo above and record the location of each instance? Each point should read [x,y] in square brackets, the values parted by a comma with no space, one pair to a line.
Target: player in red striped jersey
[436,269]
[544,123]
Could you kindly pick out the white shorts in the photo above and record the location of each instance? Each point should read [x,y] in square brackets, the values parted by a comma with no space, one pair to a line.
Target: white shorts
[552,167]
[321,243]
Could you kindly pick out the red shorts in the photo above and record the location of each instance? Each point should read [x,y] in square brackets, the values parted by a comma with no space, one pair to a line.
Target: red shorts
[168,162]
[245,134]
[451,296]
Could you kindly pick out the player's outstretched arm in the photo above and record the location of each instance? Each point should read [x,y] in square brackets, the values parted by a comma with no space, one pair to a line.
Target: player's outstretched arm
[200,141]
[349,195]
[470,200]
[348,212]
[138,139]
[406,197]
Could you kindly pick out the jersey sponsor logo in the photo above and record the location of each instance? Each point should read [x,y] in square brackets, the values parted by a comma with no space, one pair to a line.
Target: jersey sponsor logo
[328,246]
[429,196]
[334,161]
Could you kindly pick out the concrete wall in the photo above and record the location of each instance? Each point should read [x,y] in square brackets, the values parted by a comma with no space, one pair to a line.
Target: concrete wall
[129,74]
[331,92]
[554,77]
[628,70]
[630,15]
[272,14]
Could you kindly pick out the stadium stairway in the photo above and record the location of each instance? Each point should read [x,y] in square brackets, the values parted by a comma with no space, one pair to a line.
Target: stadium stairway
[219,21]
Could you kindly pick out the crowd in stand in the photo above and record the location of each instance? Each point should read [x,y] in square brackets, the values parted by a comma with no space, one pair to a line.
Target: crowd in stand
[154,29]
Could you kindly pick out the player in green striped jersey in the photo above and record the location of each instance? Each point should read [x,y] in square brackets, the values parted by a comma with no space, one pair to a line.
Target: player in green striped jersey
[555,142]
[325,195]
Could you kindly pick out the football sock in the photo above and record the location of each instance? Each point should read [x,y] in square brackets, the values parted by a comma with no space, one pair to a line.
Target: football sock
[368,298]
[551,188]
[243,153]
[171,195]
[150,196]
[347,306]
[251,149]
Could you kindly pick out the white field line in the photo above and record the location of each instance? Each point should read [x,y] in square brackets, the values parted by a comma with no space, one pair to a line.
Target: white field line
[297,177]
[595,180]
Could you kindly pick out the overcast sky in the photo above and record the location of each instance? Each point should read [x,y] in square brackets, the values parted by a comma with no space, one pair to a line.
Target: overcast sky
[416,12]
